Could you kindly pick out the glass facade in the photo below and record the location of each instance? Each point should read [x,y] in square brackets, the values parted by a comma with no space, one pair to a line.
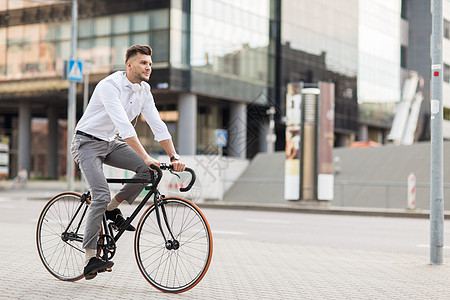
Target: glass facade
[179,35]
[38,50]
[379,68]
[319,42]
[322,27]
[230,48]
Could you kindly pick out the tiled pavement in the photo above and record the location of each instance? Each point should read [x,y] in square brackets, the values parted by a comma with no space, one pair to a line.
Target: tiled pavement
[240,269]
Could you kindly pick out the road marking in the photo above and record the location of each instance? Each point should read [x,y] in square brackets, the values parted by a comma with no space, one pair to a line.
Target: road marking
[268,221]
[228,232]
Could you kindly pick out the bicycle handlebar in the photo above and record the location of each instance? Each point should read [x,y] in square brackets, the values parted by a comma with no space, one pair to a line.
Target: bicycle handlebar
[170,167]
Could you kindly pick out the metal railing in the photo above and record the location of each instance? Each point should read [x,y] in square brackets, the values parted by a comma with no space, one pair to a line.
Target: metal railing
[358,193]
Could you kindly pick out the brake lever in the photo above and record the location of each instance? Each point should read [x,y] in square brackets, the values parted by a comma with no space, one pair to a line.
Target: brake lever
[175,174]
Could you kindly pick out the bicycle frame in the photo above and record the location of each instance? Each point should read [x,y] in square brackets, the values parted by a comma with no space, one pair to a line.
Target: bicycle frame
[134,214]
[152,189]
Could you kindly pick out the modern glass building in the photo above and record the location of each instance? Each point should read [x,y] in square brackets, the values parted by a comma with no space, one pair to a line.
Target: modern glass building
[211,60]
[217,65]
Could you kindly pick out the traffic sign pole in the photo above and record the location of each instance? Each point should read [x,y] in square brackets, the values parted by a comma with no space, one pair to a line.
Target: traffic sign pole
[71,104]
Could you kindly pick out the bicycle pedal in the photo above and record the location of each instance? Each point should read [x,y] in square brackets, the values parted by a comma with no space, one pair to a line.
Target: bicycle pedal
[104,270]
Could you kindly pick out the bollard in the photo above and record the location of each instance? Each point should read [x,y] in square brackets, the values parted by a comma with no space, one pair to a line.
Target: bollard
[411,191]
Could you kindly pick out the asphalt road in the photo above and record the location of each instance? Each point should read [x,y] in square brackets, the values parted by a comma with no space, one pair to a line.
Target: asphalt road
[399,235]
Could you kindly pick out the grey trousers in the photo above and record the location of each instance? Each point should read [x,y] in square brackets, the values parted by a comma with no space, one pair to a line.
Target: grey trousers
[90,155]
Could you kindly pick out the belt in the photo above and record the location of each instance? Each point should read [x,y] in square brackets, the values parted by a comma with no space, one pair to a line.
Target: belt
[89,136]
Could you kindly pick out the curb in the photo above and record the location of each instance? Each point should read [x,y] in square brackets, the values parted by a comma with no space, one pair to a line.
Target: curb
[357,211]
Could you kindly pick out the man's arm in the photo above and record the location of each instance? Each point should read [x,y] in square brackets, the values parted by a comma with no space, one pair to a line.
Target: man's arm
[137,146]
[168,146]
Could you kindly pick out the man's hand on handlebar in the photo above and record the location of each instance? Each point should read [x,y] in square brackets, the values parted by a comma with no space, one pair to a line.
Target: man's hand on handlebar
[151,161]
[178,166]
[169,167]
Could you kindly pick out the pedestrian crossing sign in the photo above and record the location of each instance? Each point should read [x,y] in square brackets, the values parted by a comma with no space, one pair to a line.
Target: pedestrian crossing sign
[221,137]
[75,70]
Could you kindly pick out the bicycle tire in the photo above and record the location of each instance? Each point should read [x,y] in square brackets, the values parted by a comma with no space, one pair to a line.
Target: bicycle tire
[174,271]
[63,259]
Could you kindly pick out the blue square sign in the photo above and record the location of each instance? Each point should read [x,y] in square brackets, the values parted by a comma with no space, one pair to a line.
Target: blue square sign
[75,70]
[221,137]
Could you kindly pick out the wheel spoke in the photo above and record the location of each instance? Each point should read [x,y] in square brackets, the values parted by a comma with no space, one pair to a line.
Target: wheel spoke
[180,269]
[63,259]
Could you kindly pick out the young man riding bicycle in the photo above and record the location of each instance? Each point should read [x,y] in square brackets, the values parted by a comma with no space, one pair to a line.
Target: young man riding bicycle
[116,101]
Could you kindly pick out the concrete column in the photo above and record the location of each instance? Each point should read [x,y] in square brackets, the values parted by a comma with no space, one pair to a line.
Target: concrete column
[262,142]
[237,130]
[363,132]
[24,145]
[52,142]
[187,124]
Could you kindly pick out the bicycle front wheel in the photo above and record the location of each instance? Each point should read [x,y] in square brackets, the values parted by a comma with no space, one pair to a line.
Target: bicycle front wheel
[60,244]
[170,268]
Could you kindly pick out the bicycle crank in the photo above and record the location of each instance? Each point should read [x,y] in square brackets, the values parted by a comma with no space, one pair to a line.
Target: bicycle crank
[106,247]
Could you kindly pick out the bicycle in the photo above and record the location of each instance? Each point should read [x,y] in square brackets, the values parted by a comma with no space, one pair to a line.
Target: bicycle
[172,244]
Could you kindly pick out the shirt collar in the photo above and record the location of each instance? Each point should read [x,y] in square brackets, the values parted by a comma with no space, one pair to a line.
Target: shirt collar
[128,83]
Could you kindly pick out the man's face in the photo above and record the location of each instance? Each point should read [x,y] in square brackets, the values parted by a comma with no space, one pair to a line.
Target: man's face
[139,68]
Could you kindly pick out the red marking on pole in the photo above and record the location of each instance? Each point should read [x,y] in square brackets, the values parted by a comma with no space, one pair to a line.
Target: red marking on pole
[436,73]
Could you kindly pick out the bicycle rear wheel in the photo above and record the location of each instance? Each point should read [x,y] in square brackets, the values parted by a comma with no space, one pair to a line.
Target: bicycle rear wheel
[61,250]
[174,270]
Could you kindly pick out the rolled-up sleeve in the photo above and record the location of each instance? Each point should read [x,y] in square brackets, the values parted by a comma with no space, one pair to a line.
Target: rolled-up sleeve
[153,119]
[110,97]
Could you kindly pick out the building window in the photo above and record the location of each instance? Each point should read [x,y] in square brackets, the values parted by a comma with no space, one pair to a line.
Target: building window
[403,61]
[404,9]
[446,113]
[446,73]
[446,29]
[40,49]
[121,24]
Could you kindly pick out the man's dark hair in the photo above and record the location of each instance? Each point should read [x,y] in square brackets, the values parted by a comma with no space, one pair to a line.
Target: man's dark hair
[135,49]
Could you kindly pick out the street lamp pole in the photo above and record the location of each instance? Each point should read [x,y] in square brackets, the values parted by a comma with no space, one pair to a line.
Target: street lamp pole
[436,193]
[71,104]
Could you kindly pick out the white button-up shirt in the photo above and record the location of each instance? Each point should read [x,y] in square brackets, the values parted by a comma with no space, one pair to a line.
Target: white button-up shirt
[114,105]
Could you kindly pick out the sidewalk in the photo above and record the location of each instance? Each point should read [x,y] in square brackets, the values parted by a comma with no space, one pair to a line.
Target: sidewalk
[46,189]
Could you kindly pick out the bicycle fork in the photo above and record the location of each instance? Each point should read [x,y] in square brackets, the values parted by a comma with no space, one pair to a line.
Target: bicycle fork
[171,244]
